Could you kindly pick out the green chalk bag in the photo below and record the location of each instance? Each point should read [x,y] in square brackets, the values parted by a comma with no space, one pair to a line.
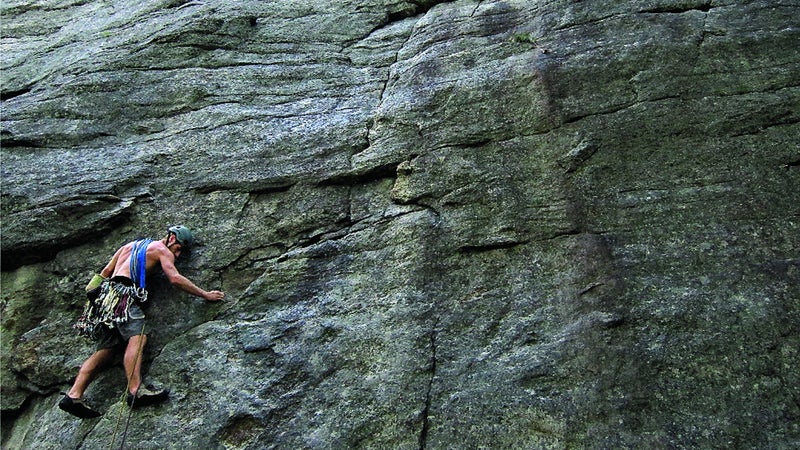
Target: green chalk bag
[93,288]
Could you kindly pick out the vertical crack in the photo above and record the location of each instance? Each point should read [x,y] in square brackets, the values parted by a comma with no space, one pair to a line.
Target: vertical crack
[243,211]
[423,435]
[387,81]
[480,2]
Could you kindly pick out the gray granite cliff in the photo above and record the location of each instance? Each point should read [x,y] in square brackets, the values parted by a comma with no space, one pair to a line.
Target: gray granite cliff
[440,224]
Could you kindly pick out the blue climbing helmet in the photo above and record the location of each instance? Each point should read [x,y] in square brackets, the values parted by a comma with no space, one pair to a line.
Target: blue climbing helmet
[183,235]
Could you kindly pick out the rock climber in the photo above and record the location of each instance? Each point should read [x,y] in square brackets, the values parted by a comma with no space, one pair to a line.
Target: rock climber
[113,315]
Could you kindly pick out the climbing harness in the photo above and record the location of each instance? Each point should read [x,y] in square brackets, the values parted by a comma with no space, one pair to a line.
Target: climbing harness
[110,308]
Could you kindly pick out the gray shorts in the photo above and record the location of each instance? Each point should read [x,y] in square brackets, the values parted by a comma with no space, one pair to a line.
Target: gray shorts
[112,337]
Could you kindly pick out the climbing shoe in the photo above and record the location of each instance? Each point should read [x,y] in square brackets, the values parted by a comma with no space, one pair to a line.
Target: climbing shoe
[77,407]
[147,395]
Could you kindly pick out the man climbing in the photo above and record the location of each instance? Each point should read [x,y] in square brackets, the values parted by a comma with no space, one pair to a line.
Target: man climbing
[114,317]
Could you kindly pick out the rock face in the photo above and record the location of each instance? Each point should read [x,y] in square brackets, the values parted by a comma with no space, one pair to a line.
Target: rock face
[469,224]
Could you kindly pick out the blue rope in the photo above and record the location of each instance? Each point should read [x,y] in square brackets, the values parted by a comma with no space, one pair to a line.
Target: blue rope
[139,261]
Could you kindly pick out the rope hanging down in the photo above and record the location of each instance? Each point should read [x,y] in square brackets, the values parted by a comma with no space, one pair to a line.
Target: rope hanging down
[124,395]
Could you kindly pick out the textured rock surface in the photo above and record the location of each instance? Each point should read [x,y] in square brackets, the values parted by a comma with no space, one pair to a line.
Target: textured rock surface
[470,224]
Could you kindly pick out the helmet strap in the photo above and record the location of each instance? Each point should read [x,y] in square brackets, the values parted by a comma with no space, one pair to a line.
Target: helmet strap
[176,241]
